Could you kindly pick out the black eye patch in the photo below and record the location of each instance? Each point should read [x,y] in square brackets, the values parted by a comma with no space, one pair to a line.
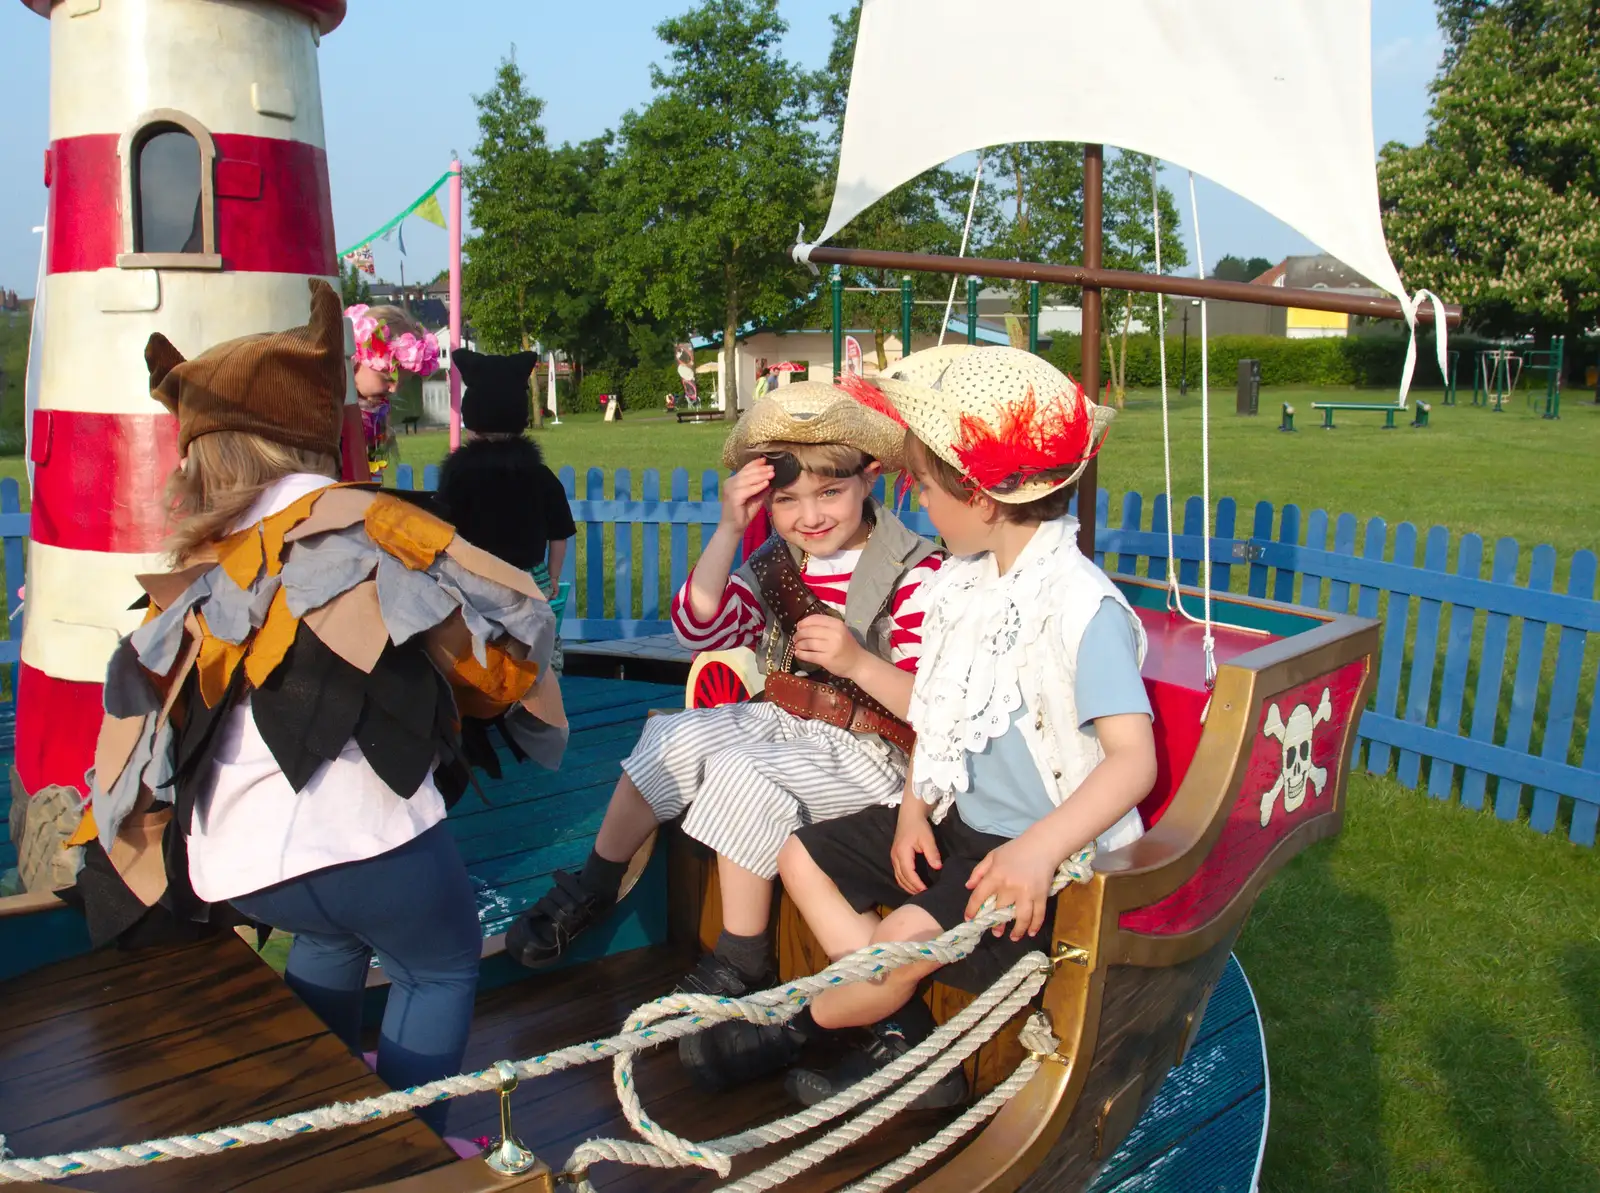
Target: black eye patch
[786,469]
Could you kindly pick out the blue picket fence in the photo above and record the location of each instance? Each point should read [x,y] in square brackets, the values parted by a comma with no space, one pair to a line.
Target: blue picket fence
[1487,675]
[1485,683]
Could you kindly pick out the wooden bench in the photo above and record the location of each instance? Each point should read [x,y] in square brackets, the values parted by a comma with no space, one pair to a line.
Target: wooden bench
[1327,408]
[697,416]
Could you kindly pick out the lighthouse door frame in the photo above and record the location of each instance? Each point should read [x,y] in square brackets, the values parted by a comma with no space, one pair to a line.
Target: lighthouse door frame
[128,149]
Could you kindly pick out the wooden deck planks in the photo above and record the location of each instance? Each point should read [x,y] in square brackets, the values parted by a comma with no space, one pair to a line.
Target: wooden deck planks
[114,1048]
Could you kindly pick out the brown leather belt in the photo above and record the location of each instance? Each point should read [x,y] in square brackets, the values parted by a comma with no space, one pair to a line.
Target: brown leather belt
[834,700]
[809,699]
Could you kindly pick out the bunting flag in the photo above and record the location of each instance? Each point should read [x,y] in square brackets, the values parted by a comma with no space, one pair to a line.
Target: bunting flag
[430,210]
[361,260]
[425,205]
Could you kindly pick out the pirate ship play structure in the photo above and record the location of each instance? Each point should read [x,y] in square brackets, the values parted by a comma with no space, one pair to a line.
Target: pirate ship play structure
[1256,703]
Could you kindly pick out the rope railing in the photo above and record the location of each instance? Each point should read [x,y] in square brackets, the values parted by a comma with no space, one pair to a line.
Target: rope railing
[657,1022]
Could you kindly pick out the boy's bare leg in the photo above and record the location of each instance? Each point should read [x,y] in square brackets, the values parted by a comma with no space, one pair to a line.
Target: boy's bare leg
[629,821]
[746,899]
[839,928]
[862,1003]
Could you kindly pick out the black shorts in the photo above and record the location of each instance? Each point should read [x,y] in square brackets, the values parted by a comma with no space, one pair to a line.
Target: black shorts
[853,851]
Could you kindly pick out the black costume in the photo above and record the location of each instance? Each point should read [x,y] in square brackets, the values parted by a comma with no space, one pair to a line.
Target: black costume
[495,489]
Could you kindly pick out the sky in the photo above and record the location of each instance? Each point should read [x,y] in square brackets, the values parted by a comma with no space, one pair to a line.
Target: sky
[399,75]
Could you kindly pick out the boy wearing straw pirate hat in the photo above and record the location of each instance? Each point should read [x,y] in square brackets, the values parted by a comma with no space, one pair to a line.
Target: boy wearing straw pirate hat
[832,605]
[1034,743]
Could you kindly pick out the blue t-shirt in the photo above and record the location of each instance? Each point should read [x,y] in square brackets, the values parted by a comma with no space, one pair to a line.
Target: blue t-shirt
[1006,794]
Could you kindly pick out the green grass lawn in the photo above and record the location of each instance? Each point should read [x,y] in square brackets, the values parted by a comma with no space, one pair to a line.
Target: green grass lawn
[1430,985]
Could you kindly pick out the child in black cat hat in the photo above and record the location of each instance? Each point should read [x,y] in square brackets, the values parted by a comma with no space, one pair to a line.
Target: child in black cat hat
[495,488]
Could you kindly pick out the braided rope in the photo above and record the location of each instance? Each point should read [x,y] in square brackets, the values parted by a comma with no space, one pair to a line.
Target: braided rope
[1037,1038]
[720,1151]
[779,1005]
[657,1022]
[1031,973]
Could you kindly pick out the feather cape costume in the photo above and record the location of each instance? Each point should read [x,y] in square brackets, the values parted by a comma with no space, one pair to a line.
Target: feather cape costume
[351,614]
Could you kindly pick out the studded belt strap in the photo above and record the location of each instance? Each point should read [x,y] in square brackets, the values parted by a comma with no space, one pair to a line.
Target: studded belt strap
[826,697]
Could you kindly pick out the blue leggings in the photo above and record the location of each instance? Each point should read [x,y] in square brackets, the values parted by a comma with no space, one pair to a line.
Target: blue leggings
[414,906]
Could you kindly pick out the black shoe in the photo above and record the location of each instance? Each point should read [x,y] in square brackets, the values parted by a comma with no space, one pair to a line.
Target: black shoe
[547,929]
[716,976]
[732,1053]
[885,1045]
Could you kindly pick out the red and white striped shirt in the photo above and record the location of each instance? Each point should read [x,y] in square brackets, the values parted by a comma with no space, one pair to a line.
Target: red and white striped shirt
[739,621]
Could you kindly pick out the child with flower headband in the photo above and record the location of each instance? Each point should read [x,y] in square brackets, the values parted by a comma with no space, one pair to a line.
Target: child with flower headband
[1034,743]
[387,341]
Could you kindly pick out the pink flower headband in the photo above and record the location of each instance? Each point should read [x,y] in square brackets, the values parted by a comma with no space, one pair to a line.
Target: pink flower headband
[413,353]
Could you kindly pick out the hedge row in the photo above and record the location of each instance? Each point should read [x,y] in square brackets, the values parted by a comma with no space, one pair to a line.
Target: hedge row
[1366,360]
[643,387]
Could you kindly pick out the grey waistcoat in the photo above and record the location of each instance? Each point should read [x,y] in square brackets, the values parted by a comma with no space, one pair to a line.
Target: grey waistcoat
[892,550]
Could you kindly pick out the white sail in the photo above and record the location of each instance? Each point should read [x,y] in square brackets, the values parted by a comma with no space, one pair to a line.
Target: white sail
[1269,98]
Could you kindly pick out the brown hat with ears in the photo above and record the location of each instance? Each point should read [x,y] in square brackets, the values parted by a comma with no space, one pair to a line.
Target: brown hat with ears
[286,386]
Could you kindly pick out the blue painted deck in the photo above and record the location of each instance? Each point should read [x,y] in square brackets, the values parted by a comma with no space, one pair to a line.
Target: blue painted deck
[537,821]
[1206,1128]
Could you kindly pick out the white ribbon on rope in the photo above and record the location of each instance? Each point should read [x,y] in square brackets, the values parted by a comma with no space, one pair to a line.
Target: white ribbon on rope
[1441,334]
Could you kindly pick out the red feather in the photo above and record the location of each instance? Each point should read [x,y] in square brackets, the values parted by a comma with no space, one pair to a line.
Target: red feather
[870,396]
[1032,438]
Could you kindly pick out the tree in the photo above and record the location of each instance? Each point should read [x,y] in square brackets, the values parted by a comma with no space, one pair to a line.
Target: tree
[1130,243]
[713,179]
[1499,208]
[1255,267]
[1232,269]
[353,288]
[518,261]
[1034,206]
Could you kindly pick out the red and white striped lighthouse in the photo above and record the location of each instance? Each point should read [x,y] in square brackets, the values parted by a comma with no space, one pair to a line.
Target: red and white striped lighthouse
[188,195]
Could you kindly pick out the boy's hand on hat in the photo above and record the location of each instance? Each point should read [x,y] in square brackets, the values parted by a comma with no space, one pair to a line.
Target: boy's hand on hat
[825,641]
[744,492]
[1018,873]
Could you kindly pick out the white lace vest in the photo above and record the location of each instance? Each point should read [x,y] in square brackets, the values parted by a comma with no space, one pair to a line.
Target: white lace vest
[991,642]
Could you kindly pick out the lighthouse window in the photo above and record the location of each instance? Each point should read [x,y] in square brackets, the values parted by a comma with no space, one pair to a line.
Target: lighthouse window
[169,194]
[169,218]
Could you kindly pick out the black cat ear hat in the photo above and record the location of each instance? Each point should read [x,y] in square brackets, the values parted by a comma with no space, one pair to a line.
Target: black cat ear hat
[496,401]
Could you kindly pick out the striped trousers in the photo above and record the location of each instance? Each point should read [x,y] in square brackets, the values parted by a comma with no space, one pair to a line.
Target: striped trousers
[749,775]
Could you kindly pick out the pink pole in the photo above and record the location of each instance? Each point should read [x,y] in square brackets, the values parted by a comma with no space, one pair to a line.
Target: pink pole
[455,300]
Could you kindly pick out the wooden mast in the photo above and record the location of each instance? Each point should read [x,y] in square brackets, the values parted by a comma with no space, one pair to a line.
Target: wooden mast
[1093,243]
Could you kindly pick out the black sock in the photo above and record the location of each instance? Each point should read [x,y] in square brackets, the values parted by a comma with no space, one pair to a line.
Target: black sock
[750,955]
[805,1027]
[914,1022]
[602,878]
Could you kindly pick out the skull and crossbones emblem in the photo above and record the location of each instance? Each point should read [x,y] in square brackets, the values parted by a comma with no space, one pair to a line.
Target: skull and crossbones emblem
[1298,769]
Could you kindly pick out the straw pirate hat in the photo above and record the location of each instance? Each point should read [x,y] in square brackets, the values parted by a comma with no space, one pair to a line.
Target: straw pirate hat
[815,412]
[1001,416]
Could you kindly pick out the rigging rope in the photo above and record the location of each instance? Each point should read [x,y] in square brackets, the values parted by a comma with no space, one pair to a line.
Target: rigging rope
[966,231]
[1174,593]
[657,1022]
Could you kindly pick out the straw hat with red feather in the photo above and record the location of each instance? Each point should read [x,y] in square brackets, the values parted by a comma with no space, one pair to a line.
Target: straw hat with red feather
[816,412]
[1013,424]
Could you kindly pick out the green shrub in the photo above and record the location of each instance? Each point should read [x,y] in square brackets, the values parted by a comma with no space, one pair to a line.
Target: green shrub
[646,386]
[1369,358]
[593,385]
